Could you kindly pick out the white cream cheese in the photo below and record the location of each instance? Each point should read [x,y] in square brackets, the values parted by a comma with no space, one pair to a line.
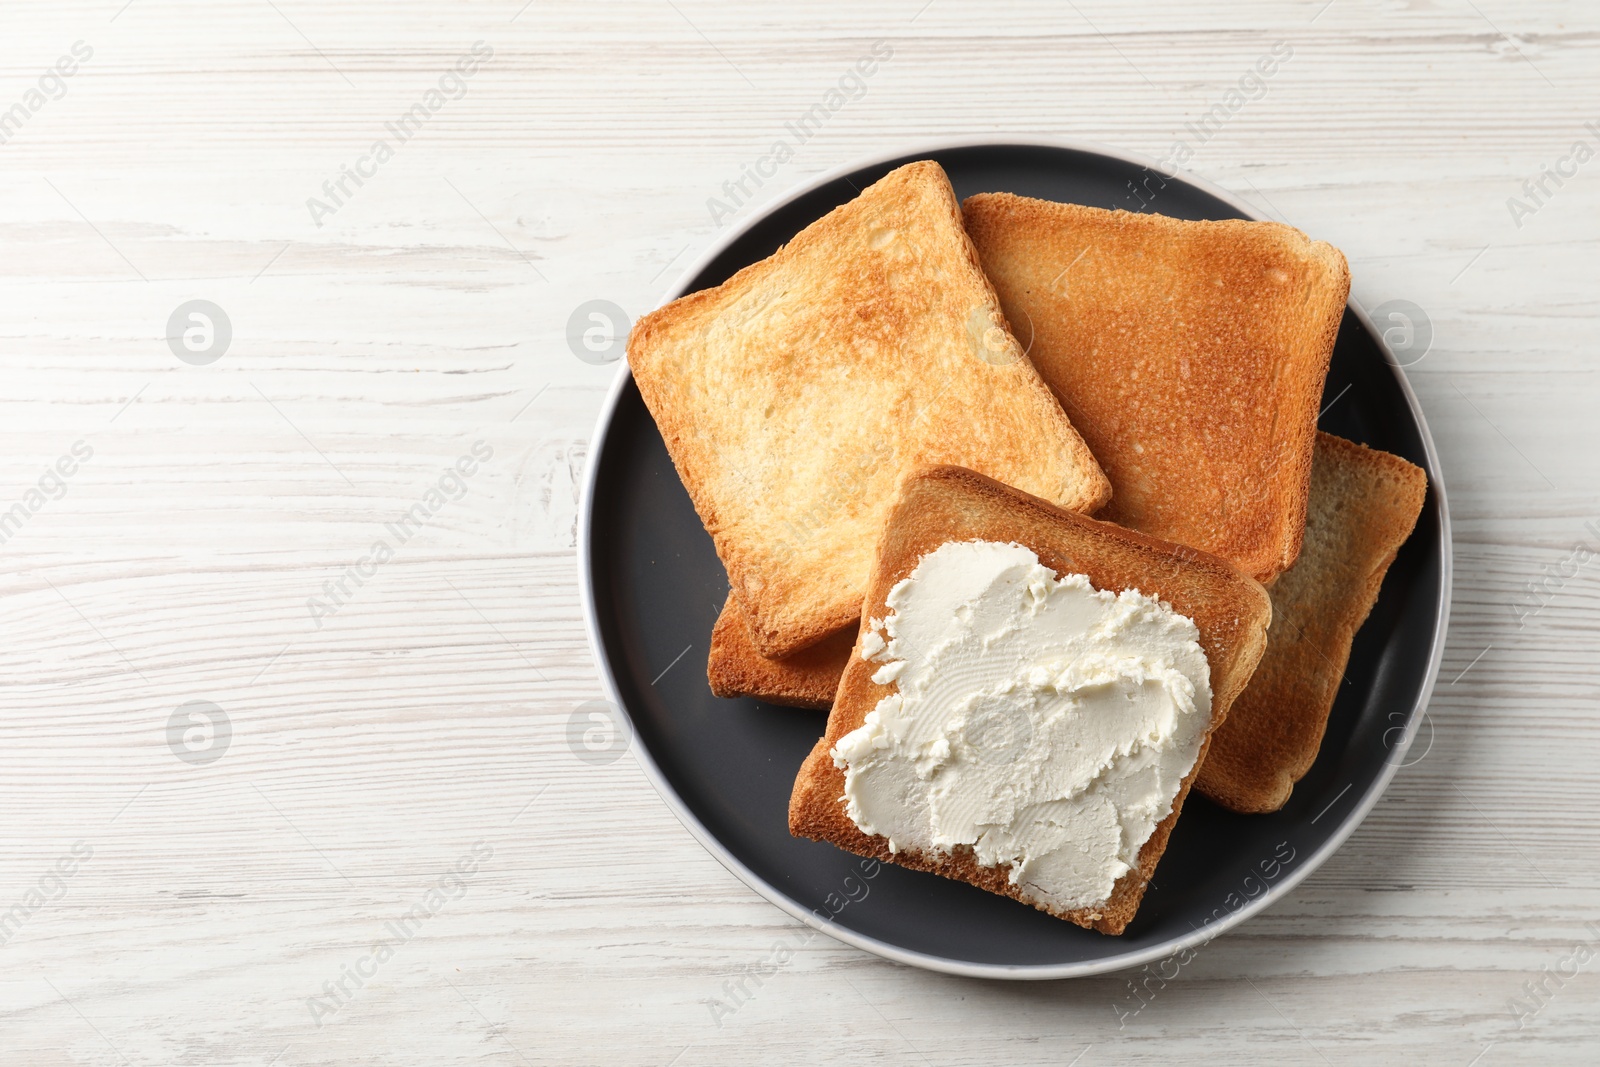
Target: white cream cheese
[1043,722]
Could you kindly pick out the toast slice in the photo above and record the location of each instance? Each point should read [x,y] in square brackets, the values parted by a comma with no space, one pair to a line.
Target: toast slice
[795,396]
[950,504]
[1364,504]
[804,679]
[1190,355]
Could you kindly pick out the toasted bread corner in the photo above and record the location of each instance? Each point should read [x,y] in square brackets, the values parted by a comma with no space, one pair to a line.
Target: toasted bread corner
[804,679]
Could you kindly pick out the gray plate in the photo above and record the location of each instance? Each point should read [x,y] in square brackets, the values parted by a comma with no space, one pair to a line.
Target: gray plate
[652,586]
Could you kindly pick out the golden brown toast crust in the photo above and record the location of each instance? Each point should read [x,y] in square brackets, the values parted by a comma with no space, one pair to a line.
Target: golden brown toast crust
[952,504]
[1364,504]
[804,679]
[1190,355]
[795,396]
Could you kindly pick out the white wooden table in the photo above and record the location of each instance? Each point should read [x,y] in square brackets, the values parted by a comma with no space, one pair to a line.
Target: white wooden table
[183,896]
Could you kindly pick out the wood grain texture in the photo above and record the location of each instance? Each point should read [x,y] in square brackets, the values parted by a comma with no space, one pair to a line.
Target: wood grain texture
[429,312]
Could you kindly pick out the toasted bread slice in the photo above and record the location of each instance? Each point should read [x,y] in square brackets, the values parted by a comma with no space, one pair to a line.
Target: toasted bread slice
[804,679]
[1190,355]
[1364,504]
[795,396]
[946,504]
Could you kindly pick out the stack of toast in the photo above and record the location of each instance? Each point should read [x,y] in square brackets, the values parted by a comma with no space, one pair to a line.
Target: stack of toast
[1132,398]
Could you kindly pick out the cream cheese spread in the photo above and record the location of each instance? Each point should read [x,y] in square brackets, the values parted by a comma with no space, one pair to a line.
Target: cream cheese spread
[1044,723]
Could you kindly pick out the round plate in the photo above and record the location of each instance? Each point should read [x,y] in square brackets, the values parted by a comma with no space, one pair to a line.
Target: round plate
[652,587]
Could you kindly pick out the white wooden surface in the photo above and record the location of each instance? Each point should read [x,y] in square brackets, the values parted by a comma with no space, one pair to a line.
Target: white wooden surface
[428,716]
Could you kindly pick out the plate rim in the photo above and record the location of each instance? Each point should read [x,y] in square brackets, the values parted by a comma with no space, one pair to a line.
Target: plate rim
[887,950]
